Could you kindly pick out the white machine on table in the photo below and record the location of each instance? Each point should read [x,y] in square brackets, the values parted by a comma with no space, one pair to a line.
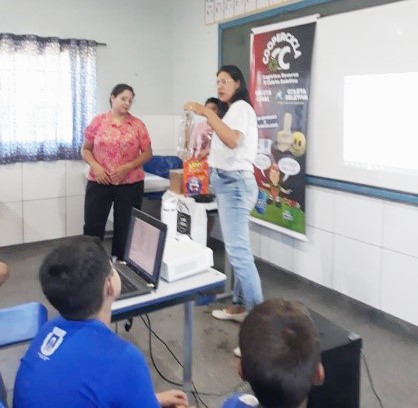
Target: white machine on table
[184,257]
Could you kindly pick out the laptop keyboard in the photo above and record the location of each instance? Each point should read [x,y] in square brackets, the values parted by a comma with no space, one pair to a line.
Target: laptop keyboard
[139,287]
[127,285]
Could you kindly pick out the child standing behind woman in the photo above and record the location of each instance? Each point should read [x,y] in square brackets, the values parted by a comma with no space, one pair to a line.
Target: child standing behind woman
[202,132]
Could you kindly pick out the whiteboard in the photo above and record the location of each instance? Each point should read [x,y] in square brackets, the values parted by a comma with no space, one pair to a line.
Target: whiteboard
[364,98]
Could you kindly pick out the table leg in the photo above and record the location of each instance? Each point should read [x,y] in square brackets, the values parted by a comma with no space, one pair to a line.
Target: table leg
[188,347]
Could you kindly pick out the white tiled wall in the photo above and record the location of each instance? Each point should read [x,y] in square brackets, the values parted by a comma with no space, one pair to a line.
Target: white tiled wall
[357,267]
[45,200]
[363,247]
[313,259]
[399,286]
[358,217]
[11,223]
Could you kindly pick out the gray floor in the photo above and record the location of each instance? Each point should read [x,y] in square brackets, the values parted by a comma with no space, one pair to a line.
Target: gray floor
[389,346]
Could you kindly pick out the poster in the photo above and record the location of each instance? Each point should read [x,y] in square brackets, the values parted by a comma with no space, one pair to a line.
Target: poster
[239,7]
[262,4]
[250,5]
[219,10]
[280,73]
[210,11]
[229,9]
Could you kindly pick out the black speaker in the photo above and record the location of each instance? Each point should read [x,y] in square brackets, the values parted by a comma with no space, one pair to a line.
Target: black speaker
[340,352]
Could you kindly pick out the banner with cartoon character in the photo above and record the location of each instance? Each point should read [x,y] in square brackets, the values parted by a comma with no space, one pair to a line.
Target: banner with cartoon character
[279,82]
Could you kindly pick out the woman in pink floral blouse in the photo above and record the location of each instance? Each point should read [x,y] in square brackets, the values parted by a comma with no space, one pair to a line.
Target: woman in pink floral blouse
[116,145]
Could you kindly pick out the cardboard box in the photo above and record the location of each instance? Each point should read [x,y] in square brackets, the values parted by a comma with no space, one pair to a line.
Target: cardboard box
[176,181]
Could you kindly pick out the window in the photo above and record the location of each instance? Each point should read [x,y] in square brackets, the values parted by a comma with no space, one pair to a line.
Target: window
[47,96]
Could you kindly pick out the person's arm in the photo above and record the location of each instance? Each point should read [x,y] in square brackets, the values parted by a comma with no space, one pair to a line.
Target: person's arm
[100,172]
[4,272]
[228,136]
[119,174]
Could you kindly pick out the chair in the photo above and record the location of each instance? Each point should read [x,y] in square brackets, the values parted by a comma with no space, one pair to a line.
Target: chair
[19,324]
[161,166]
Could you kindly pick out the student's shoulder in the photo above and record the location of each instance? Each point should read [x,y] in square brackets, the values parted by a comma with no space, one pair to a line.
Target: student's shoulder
[241,401]
[125,350]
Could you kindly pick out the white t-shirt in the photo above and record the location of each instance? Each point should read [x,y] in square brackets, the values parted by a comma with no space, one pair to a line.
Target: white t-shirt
[240,117]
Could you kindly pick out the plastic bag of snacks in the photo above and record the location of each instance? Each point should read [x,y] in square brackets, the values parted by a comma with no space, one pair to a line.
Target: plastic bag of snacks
[195,177]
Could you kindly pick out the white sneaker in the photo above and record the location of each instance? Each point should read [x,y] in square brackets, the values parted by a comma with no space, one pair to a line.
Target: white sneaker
[237,352]
[225,315]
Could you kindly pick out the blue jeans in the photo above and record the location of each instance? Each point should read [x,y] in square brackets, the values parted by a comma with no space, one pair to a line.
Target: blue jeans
[236,194]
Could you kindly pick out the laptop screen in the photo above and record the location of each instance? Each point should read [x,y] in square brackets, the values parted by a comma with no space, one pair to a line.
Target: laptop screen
[145,245]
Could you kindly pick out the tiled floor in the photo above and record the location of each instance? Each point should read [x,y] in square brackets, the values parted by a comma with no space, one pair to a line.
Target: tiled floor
[391,348]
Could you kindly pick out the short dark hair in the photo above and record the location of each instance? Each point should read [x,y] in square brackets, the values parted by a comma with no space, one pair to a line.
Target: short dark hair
[236,74]
[118,89]
[280,352]
[222,106]
[72,277]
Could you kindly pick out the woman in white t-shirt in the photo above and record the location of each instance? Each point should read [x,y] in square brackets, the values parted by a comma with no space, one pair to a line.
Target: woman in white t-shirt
[232,153]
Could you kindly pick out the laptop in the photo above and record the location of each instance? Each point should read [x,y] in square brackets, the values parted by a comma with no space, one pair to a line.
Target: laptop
[140,270]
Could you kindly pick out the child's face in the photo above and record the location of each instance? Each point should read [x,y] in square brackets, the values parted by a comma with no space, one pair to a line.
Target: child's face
[212,107]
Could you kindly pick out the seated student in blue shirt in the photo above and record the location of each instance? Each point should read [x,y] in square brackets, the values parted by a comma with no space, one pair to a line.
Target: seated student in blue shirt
[76,360]
[280,356]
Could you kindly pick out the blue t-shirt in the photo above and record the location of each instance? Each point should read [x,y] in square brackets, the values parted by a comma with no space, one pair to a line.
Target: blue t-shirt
[82,364]
[241,401]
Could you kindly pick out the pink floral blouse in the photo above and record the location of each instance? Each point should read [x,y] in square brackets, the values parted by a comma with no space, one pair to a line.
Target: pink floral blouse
[114,145]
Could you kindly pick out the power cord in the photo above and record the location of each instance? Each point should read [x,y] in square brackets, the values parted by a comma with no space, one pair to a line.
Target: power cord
[195,393]
[240,387]
[370,379]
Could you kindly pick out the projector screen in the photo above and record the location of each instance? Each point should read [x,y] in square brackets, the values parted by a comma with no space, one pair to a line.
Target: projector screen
[363,114]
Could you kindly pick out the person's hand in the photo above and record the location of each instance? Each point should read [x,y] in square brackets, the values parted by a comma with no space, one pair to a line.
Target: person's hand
[117,175]
[203,153]
[195,107]
[172,399]
[102,176]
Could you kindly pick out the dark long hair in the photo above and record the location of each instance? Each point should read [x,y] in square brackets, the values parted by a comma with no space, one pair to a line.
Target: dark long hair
[236,74]
[118,89]
[222,106]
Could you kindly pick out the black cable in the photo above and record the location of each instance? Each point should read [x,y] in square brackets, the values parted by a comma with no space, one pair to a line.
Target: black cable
[152,355]
[195,393]
[370,379]
[207,394]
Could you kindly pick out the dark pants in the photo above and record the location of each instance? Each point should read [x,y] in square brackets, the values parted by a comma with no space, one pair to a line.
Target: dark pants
[97,204]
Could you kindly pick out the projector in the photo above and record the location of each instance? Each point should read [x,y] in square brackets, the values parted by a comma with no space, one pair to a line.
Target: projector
[184,257]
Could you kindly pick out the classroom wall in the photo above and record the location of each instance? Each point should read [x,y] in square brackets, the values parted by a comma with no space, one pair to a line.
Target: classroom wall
[44,200]
[360,246]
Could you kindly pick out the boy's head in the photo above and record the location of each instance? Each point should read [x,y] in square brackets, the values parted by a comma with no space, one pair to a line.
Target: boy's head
[217,106]
[280,353]
[73,278]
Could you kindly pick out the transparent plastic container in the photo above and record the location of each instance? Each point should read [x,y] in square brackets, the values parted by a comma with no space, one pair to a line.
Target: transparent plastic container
[184,148]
